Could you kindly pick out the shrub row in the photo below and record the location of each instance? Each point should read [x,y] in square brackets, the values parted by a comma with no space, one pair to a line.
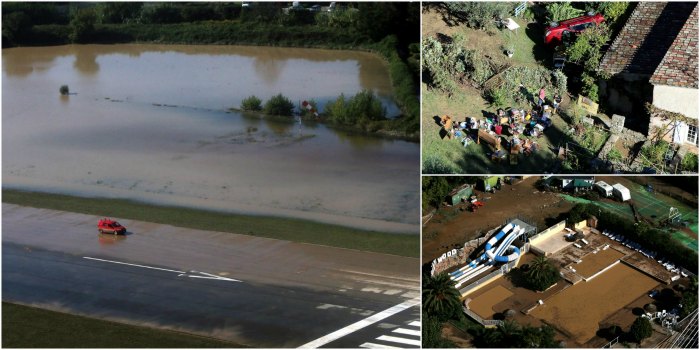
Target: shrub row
[649,237]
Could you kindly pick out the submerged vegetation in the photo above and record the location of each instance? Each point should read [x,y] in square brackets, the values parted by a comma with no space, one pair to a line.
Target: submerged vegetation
[391,30]
[279,105]
[251,103]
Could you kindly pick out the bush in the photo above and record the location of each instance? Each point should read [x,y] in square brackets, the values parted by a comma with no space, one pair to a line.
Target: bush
[655,152]
[559,11]
[531,79]
[641,329]
[614,155]
[360,109]
[64,90]
[559,82]
[83,25]
[279,105]
[449,64]
[479,15]
[434,165]
[252,103]
[589,87]
[690,162]
[592,139]
[497,97]
[443,64]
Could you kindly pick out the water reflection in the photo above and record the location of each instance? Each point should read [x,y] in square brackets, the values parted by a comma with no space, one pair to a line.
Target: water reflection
[279,127]
[86,62]
[269,69]
[359,141]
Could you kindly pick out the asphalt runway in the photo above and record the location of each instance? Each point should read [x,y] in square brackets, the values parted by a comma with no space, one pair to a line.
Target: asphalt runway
[252,291]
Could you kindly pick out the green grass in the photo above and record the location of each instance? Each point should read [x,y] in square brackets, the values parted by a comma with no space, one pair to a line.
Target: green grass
[261,226]
[449,156]
[455,158]
[29,327]
[527,52]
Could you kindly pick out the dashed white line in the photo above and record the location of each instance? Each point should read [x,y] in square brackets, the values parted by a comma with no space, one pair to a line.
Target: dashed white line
[415,324]
[407,331]
[361,324]
[399,340]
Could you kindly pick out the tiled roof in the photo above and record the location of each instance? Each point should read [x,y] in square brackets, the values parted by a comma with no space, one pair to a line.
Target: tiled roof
[648,34]
[680,65]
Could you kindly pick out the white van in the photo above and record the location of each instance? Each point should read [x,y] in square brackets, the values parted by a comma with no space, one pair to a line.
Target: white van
[604,189]
[621,192]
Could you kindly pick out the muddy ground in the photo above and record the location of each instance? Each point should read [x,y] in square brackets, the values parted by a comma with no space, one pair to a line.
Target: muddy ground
[452,226]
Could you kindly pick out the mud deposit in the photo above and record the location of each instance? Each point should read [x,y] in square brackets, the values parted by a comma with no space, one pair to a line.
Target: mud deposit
[578,309]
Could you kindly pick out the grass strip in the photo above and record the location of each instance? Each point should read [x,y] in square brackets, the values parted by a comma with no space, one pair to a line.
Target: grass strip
[29,327]
[260,226]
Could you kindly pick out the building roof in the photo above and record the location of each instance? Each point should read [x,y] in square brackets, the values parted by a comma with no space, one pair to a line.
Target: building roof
[680,65]
[582,183]
[646,37]
[460,189]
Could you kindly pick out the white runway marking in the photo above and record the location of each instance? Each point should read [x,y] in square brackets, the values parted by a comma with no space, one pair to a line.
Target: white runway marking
[181,273]
[407,331]
[123,263]
[399,340]
[361,324]
[378,346]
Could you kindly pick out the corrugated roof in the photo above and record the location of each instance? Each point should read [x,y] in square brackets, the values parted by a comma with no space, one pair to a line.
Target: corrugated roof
[680,65]
[646,37]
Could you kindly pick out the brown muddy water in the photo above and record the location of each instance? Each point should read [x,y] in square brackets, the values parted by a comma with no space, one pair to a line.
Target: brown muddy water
[148,122]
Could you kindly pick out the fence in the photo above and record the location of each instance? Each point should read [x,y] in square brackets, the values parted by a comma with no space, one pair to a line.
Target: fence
[553,229]
[478,318]
[611,343]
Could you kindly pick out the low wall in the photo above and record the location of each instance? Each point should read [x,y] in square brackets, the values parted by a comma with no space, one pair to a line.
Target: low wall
[601,271]
[548,232]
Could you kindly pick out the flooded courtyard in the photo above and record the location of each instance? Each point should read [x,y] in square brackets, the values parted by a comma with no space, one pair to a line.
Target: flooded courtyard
[149,123]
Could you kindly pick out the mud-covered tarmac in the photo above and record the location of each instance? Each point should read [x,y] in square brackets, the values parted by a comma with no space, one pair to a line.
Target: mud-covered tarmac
[290,293]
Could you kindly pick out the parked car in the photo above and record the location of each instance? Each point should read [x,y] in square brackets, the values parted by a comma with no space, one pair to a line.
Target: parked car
[110,226]
[563,32]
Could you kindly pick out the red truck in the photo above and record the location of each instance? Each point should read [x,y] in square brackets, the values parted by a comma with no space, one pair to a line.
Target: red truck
[110,226]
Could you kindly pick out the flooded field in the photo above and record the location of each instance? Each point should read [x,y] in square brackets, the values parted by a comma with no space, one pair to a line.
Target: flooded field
[600,297]
[148,122]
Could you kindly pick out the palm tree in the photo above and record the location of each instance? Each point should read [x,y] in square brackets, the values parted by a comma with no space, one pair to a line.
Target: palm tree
[510,331]
[440,297]
[538,267]
[541,274]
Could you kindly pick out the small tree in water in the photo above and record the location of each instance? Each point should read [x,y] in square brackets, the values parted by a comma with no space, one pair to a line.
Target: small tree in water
[252,103]
[64,90]
[279,105]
